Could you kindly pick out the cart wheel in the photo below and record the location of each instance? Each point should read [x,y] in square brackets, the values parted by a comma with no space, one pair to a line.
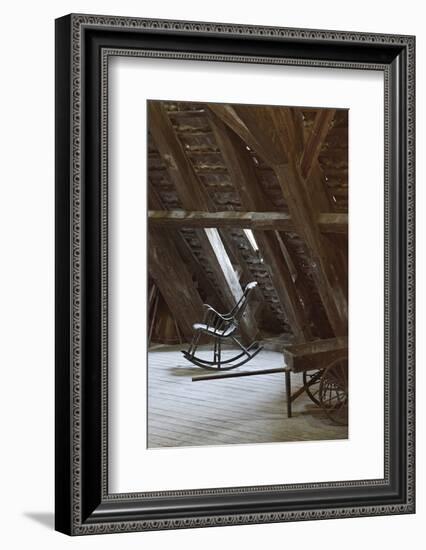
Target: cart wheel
[333,391]
[311,382]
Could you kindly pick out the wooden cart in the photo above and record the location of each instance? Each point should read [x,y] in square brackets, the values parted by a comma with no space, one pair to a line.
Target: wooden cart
[324,364]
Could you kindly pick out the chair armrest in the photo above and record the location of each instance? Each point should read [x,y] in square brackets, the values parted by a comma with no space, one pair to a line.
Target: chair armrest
[224,316]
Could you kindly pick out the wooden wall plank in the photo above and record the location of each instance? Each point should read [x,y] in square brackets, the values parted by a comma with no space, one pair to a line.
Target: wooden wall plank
[178,166]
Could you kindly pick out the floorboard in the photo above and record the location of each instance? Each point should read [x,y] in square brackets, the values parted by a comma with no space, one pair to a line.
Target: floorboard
[182,413]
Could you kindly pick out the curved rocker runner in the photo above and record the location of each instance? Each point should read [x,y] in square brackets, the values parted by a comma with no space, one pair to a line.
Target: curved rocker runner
[223,327]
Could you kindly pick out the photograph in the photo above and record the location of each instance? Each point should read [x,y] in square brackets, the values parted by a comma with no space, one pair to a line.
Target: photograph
[247,254]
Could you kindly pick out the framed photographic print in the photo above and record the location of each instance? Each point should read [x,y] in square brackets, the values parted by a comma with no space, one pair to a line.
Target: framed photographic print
[234,274]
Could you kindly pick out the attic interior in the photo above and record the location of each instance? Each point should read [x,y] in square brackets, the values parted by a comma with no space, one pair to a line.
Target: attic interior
[239,194]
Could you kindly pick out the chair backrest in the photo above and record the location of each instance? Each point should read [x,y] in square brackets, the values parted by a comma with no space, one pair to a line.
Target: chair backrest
[242,303]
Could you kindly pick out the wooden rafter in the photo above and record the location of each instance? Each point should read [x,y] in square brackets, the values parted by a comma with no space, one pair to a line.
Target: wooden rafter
[228,115]
[311,149]
[154,201]
[320,199]
[316,187]
[333,223]
[307,151]
[322,260]
[174,281]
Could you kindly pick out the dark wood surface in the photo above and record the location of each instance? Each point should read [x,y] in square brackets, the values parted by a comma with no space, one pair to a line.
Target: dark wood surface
[264,221]
[314,355]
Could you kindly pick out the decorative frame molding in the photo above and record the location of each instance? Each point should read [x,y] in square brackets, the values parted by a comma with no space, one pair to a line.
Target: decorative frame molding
[84,44]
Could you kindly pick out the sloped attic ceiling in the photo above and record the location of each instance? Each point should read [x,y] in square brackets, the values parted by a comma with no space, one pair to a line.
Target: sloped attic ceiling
[235,162]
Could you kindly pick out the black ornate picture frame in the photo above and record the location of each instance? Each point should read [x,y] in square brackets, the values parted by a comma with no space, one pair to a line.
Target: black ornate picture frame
[84,43]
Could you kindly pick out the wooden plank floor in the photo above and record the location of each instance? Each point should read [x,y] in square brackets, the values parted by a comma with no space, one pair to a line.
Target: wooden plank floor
[220,412]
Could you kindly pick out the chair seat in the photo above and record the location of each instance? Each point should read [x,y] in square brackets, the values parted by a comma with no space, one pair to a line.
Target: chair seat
[229,330]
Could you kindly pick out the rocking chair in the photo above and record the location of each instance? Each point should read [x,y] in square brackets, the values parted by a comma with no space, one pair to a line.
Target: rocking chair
[222,327]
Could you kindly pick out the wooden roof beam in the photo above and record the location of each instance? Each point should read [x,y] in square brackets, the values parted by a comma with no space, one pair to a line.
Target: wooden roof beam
[174,281]
[333,223]
[240,220]
[312,148]
[178,166]
[228,115]
[263,221]
[329,288]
